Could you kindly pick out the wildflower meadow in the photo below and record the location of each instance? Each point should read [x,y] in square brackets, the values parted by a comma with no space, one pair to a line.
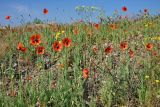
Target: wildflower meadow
[112,62]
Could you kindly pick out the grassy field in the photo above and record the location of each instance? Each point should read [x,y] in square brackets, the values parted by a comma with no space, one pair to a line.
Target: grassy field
[114,64]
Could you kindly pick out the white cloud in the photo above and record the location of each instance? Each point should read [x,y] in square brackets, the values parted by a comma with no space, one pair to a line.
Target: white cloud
[20,8]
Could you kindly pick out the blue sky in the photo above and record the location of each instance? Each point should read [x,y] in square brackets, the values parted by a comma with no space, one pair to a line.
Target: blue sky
[63,10]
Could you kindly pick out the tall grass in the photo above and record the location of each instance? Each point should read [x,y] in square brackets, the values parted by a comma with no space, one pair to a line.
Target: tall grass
[55,79]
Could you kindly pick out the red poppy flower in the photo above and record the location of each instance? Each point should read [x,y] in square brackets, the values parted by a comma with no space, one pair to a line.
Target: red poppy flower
[154,53]
[21,47]
[66,42]
[57,46]
[108,50]
[123,46]
[145,10]
[8,17]
[97,26]
[113,26]
[35,39]
[40,50]
[45,11]
[131,53]
[75,31]
[85,73]
[124,9]
[28,78]
[149,46]
[95,49]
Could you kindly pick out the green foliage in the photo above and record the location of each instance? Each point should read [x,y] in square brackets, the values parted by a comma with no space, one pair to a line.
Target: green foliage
[115,79]
[37,21]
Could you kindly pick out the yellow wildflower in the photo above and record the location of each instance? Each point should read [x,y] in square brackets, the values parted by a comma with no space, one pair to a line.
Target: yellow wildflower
[146,76]
[58,34]
[157,81]
[39,65]
[156,38]
[146,25]
[63,32]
